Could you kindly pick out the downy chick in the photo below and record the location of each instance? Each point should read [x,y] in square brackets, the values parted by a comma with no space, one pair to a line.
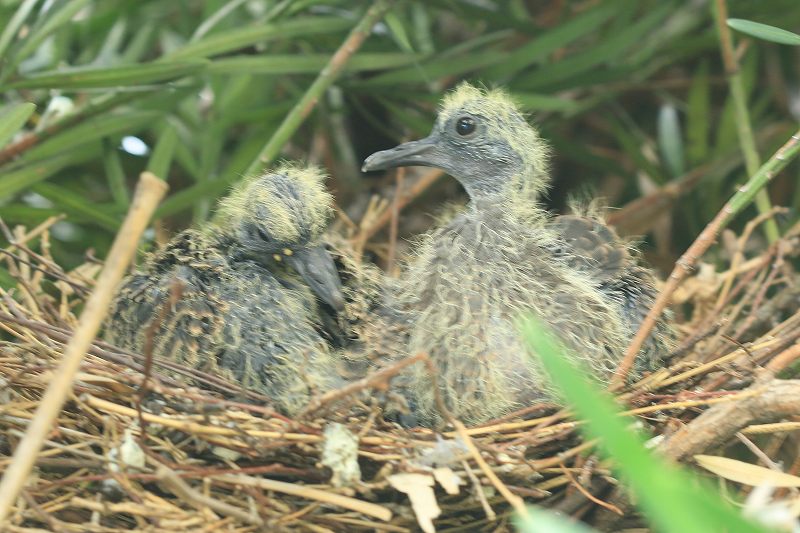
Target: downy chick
[240,297]
[504,256]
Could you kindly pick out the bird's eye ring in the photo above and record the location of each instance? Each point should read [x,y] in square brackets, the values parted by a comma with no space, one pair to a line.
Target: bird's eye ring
[465,125]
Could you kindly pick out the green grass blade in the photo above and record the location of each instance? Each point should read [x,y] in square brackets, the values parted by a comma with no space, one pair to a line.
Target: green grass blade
[12,119]
[551,40]
[670,140]
[96,77]
[608,51]
[275,64]
[672,499]
[764,32]
[698,121]
[90,131]
[544,521]
[217,17]
[236,39]
[115,175]
[12,28]
[398,30]
[163,153]
[17,180]
[37,37]
[78,204]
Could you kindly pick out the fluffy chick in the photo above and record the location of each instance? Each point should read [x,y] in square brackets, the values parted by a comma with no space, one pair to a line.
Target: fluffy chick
[241,297]
[504,256]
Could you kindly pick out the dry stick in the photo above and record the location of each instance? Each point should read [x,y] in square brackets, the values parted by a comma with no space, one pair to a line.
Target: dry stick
[376,380]
[194,498]
[772,400]
[588,495]
[516,502]
[744,129]
[393,227]
[419,186]
[309,493]
[149,192]
[736,204]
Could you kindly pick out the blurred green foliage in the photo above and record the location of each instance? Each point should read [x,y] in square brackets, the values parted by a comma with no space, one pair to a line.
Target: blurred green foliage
[631,95]
[670,497]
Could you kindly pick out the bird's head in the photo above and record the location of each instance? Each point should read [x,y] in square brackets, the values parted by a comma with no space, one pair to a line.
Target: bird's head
[280,217]
[481,139]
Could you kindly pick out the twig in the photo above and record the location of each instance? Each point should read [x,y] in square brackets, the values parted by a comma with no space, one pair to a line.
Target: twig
[772,400]
[175,291]
[419,186]
[190,426]
[516,502]
[378,379]
[182,489]
[589,496]
[393,226]
[487,509]
[149,192]
[345,502]
[736,204]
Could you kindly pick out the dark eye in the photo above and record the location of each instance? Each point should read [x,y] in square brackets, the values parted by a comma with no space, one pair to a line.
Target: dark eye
[465,126]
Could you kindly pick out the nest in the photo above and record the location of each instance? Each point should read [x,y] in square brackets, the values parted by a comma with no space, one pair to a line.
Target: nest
[148,445]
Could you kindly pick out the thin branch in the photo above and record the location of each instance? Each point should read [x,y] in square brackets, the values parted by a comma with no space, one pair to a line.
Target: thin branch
[148,193]
[684,265]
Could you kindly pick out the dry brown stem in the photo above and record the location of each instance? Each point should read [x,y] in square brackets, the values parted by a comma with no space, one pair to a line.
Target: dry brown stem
[769,401]
[148,193]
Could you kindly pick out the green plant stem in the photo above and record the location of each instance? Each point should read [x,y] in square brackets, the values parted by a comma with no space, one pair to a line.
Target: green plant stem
[309,100]
[744,128]
[737,203]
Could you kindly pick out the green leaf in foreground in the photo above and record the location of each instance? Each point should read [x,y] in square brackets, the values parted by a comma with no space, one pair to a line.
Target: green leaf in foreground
[671,498]
[12,119]
[764,31]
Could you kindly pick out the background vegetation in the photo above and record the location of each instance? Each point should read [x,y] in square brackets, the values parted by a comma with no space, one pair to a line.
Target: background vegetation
[631,95]
[634,97]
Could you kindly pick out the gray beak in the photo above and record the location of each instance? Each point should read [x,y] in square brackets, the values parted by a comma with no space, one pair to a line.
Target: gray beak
[421,153]
[315,265]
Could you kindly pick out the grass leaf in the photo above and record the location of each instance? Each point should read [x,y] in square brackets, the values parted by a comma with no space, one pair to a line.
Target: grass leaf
[671,498]
[164,151]
[764,31]
[220,43]
[94,77]
[12,118]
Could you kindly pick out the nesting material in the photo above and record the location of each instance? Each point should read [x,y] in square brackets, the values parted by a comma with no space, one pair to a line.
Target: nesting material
[217,459]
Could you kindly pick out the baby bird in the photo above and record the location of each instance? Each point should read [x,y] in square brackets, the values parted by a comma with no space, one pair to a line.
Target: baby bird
[504,256]
[241,297]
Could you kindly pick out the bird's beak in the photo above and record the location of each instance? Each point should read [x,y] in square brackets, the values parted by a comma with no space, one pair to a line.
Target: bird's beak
[315,265]
[423,153]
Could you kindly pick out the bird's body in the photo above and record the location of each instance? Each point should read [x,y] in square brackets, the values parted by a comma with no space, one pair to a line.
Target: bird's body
[241,297]
[504,256]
